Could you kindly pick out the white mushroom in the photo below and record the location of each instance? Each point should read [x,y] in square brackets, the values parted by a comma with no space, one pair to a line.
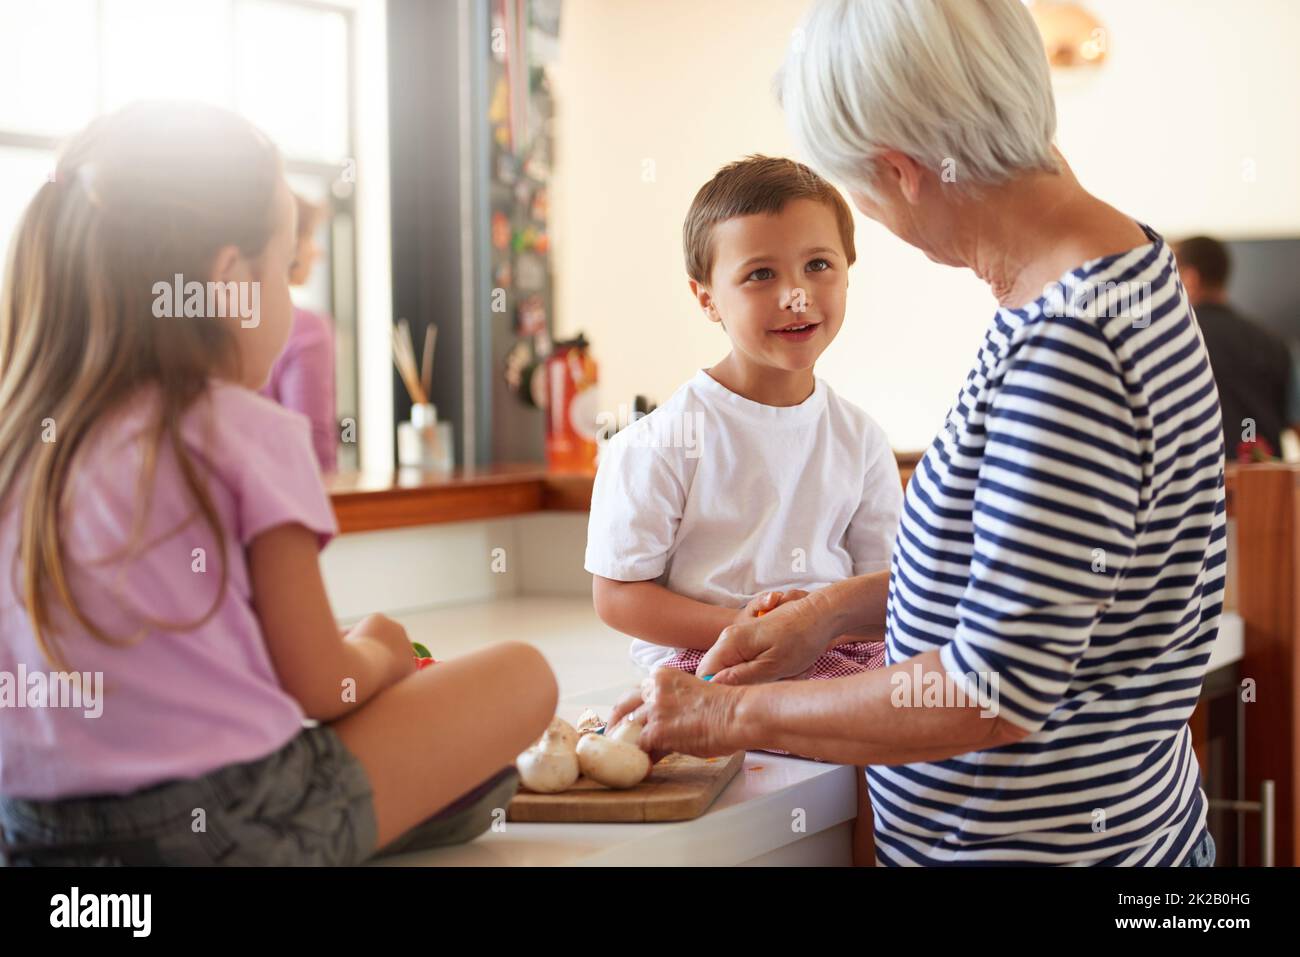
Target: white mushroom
[615,759]
[564,731]
[628,731]
[589,721]
[551,764]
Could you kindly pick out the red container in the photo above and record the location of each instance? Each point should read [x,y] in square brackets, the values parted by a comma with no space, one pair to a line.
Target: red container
[571,407]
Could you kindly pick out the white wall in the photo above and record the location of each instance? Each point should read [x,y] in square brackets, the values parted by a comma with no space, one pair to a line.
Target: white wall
[402,570]
[1193,89]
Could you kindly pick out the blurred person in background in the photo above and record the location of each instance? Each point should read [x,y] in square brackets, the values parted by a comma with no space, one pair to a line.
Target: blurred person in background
[1253,365]
[302,379]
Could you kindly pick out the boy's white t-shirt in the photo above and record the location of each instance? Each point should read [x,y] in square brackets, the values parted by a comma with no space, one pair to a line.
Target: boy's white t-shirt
[720,498]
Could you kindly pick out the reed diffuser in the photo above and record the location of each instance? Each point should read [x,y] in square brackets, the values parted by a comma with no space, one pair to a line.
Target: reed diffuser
[423,442]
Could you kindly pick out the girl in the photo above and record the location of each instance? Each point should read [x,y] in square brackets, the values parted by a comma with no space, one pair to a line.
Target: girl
[302,378]
[159,530]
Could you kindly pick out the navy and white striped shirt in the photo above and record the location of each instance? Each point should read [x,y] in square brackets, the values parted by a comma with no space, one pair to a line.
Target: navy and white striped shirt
[1065,533]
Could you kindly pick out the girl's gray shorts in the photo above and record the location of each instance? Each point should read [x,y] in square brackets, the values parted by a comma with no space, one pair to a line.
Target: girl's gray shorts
[308,803]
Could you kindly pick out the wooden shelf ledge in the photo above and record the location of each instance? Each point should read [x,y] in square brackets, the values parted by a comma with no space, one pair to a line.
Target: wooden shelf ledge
[366,502]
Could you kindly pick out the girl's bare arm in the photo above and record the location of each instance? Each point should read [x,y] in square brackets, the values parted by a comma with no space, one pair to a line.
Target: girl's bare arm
[312,660]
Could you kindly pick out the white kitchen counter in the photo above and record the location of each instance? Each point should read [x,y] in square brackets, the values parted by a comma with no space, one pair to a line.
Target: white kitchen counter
[778,810]
[755,820]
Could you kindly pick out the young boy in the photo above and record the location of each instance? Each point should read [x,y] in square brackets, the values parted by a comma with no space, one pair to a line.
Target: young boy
[754,477]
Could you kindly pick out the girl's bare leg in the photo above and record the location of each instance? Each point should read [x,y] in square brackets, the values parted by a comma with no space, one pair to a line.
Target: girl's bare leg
[438,733]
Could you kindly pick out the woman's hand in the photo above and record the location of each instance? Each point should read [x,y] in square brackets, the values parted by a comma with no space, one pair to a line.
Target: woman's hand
[682,714]
[783,643]
[760,605]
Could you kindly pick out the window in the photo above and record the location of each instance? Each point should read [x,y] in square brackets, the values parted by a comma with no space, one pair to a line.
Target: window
[284,64]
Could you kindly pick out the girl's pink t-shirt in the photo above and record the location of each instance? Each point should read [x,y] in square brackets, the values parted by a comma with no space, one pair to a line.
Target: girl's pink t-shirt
[177,702]
[302,379]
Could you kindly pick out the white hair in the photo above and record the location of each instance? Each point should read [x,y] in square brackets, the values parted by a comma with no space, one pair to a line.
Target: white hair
[961,86]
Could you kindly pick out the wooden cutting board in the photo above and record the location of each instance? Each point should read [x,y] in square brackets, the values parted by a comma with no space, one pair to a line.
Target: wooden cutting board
[679,788]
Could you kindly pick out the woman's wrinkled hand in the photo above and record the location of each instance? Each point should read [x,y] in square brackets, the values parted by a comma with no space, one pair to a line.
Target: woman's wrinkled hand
[783,643]
[760,605]
[682,714]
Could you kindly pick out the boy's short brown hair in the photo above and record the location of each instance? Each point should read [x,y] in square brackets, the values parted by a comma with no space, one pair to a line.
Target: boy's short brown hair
[756,184]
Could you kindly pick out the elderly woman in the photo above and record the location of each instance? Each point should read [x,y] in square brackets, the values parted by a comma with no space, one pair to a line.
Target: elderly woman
[1057,578]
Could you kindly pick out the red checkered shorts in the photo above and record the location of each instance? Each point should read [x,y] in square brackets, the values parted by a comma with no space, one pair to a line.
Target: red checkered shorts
[843,661]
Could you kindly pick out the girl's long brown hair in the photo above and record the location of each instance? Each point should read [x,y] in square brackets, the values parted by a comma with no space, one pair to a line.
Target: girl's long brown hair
[143,194]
